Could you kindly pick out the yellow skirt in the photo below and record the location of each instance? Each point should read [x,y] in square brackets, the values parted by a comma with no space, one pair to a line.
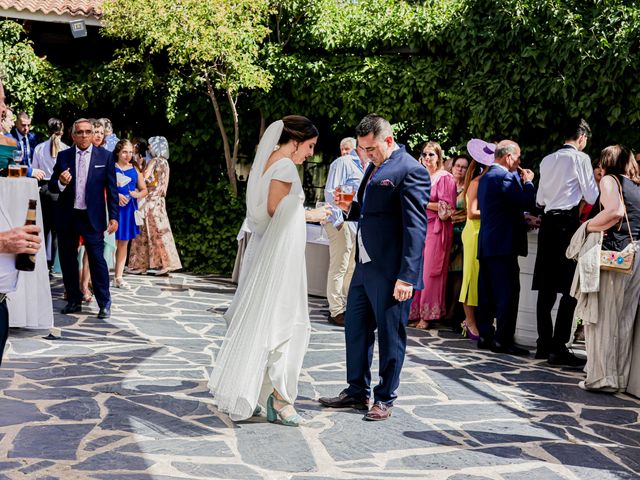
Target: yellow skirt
[470,265]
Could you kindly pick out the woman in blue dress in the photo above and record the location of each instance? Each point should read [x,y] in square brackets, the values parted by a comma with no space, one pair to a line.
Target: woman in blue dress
[131,187]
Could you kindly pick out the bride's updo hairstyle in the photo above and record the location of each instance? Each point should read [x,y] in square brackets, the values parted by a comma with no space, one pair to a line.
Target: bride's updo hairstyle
[298,128]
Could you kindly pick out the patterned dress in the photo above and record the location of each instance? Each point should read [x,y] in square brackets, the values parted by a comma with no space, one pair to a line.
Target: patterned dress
[155,248]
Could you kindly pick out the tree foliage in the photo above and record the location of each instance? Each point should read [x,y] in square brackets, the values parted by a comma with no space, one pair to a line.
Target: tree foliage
[212,45]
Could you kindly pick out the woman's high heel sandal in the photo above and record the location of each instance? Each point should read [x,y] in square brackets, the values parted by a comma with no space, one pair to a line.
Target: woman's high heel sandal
[288,415]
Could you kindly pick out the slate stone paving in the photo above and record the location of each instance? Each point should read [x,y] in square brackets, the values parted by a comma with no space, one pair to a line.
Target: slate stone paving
[126,399]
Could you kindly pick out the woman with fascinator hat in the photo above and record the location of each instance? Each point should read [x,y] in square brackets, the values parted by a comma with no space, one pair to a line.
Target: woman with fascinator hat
[261,356]
[155,248]
[482,154]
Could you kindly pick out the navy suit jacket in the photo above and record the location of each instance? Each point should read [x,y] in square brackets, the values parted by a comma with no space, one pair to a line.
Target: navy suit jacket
[502,200]
[31,138]
[392,217]
[101,177]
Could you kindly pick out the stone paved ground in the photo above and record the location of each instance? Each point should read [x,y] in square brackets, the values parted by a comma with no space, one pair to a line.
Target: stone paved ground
[127,399]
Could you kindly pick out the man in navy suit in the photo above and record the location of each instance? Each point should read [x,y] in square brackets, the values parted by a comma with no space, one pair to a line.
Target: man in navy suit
[392,224]
[503,197]
[25,137]
[81,176]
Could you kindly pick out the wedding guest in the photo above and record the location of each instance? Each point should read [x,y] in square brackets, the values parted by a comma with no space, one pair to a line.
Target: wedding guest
[261,357]
[347,169]
[566,178]
[110,138]
[608,300]
[459,217]
[140,153]
[23,239]
[482,154]
[44,158]
[26,139]
[155,248]
[503,197]
[8,144]
[131,187]
[429,304]
[98,133]
[585,211]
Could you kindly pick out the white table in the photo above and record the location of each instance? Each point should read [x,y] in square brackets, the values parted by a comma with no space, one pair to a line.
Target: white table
[317,257]
[527,324]
[30,305]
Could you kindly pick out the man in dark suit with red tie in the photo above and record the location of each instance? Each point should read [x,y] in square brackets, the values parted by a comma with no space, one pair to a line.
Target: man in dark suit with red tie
[81,176]
[503,197]
[392,225]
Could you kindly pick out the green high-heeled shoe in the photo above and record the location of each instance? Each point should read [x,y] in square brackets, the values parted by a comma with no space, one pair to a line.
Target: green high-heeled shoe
[288,415]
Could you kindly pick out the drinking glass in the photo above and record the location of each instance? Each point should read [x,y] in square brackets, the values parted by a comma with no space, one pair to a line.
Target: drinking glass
[322,235]
[17,156]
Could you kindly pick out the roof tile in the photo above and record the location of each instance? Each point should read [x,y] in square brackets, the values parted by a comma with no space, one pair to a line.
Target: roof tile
[82,8]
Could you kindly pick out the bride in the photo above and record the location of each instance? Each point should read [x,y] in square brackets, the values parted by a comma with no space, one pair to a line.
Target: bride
[261,356]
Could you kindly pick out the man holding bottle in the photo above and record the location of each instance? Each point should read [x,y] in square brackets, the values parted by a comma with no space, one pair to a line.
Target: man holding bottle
[14,241]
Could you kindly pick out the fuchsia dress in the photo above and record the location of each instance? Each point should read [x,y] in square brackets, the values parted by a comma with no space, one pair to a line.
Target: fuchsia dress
[429,304]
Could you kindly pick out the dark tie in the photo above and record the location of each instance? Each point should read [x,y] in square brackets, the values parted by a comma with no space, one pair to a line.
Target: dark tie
[25,152]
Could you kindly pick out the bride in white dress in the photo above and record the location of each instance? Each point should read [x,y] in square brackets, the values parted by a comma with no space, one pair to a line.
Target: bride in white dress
[261,357]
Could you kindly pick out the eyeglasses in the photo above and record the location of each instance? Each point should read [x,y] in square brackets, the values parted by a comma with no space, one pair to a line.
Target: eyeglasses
[84,132]
[430,154]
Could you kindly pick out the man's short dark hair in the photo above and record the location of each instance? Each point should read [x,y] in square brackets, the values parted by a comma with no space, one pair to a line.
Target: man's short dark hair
[573,128]
[373,123]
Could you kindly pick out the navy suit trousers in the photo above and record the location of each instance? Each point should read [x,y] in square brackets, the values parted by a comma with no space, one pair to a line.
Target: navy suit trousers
[68,237]
[372,306]
[498,297]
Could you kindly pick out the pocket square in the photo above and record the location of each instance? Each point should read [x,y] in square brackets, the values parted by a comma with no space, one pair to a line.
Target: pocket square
[99,166]
[386,183]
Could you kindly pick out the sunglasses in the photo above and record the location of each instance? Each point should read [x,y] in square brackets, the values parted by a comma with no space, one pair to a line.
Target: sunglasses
[430,154]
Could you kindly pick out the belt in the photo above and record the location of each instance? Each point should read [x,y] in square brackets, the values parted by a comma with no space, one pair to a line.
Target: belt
[573,212]
[3,298]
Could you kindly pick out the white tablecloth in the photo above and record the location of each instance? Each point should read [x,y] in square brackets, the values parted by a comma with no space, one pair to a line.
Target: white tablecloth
[527,324]
[30,305]
[317,257]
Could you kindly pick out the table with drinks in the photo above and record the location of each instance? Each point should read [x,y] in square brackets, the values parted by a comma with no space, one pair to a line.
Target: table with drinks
[30,305]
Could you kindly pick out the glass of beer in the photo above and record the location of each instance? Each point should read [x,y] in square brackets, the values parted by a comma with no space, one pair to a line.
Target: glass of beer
[24,169]
[13,170]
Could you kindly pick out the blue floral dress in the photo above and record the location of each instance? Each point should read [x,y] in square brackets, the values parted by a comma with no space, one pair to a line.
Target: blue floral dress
[127,182]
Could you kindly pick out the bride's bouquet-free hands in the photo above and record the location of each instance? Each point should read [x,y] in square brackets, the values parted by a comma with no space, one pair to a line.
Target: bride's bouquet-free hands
[318,215]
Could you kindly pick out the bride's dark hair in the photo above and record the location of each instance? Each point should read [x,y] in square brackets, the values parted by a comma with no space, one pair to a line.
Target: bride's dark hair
[298,128]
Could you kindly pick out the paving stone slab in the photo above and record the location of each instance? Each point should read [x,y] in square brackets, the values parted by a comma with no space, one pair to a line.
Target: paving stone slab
[110,461]
[217,471]
[52,442]
[20,413]
[81,409]
[459,459]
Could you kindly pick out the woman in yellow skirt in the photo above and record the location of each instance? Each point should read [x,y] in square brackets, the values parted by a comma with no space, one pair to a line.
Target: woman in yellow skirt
[482,154]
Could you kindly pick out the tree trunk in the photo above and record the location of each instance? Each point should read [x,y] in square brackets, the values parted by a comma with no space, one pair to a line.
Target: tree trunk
[229,160]
[236,136]
[263,125]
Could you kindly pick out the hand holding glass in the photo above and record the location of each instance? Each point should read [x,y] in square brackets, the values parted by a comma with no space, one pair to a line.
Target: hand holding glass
[322,222]
[343,196]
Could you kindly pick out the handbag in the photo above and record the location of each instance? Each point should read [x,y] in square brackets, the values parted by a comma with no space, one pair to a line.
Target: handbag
[138,217]
[613,260]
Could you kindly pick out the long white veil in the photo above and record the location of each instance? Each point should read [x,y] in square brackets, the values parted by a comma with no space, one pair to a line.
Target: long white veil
[255,207]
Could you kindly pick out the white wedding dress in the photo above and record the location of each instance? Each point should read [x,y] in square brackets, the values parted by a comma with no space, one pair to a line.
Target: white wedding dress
[268,319]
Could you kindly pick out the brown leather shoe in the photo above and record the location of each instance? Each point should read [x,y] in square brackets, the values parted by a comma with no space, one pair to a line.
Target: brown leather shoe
[379,411]
[337,320]
[344,401]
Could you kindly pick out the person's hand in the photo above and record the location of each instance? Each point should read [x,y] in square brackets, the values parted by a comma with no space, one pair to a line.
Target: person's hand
[112,227]
[122,200]
[318,214]
[526,175]
[532,221]
[402,291]
[37,174]
[23,239]
[65,177]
